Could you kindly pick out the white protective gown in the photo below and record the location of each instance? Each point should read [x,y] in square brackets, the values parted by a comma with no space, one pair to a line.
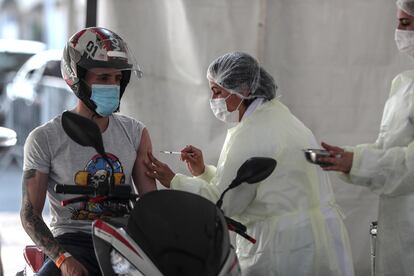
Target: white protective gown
[387,167]
[292,214]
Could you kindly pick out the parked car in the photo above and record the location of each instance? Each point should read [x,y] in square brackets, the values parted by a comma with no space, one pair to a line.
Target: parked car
[13,53]
[36,94]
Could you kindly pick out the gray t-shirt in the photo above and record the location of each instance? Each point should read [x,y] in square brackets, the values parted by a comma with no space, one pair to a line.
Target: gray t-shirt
[49,150]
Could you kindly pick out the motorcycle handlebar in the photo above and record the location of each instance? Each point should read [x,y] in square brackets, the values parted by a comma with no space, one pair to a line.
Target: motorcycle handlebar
[247,237]
[236,224]
[239,228]
[72,189]
[119,192]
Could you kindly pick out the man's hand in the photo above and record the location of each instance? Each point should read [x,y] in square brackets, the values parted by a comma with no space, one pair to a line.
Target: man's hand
[193,157]
[71,267]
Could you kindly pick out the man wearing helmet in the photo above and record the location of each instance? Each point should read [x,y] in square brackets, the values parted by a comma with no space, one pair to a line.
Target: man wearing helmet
[97,66]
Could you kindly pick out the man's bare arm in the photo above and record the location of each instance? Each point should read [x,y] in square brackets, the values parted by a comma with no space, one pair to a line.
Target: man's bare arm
[34,188]
[142,182]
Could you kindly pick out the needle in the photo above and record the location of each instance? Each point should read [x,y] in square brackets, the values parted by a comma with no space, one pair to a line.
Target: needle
[170,152]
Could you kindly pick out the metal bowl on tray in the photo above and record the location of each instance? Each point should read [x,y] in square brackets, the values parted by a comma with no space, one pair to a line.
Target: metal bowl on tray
[313,156]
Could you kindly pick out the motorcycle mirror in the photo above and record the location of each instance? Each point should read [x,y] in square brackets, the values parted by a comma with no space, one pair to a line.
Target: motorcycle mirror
[253,170]
[83,131]
[8,137]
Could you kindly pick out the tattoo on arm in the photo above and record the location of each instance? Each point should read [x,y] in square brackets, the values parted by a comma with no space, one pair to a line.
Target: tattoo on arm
[34,225]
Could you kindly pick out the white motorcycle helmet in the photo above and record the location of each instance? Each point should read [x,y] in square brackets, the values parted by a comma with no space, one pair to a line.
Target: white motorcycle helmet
[96,47]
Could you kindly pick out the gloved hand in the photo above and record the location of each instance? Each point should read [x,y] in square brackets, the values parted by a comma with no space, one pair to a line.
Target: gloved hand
[159,170]
[340,159]
[193,157]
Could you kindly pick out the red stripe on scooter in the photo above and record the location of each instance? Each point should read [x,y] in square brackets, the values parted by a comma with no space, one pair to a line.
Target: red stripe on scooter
[105,227]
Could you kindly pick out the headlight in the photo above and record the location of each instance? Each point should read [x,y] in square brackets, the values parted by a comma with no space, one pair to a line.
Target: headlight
[122,266]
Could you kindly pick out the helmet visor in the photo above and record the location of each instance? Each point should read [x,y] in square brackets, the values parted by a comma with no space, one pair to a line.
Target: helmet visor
[109,53]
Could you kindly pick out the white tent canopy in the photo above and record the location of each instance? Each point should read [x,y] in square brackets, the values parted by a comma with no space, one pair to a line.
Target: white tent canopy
[333,61]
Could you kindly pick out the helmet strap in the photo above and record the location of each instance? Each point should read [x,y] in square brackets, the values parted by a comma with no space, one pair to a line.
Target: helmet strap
[84,94]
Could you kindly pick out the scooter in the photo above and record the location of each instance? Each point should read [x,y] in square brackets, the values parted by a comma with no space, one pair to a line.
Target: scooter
[164,232]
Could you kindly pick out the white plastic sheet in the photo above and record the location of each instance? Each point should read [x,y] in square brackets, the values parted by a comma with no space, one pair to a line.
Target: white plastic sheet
[332,59]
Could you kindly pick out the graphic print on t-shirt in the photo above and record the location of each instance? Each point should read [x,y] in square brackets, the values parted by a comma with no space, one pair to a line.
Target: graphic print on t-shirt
[96,173]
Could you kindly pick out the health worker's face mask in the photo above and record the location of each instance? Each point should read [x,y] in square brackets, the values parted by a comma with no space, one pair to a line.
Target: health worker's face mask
[219,108]
[106,98]
[405,41]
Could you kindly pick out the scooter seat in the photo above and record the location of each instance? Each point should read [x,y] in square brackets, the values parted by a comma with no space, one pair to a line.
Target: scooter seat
[182,233]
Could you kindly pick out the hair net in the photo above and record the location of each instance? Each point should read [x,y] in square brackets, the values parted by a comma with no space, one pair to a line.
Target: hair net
[240,73]
[407,6]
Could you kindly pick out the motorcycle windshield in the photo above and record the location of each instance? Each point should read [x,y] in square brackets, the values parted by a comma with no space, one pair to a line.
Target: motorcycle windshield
[183,233]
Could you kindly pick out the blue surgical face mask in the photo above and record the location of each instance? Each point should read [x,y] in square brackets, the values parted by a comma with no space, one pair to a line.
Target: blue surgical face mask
[106,98]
